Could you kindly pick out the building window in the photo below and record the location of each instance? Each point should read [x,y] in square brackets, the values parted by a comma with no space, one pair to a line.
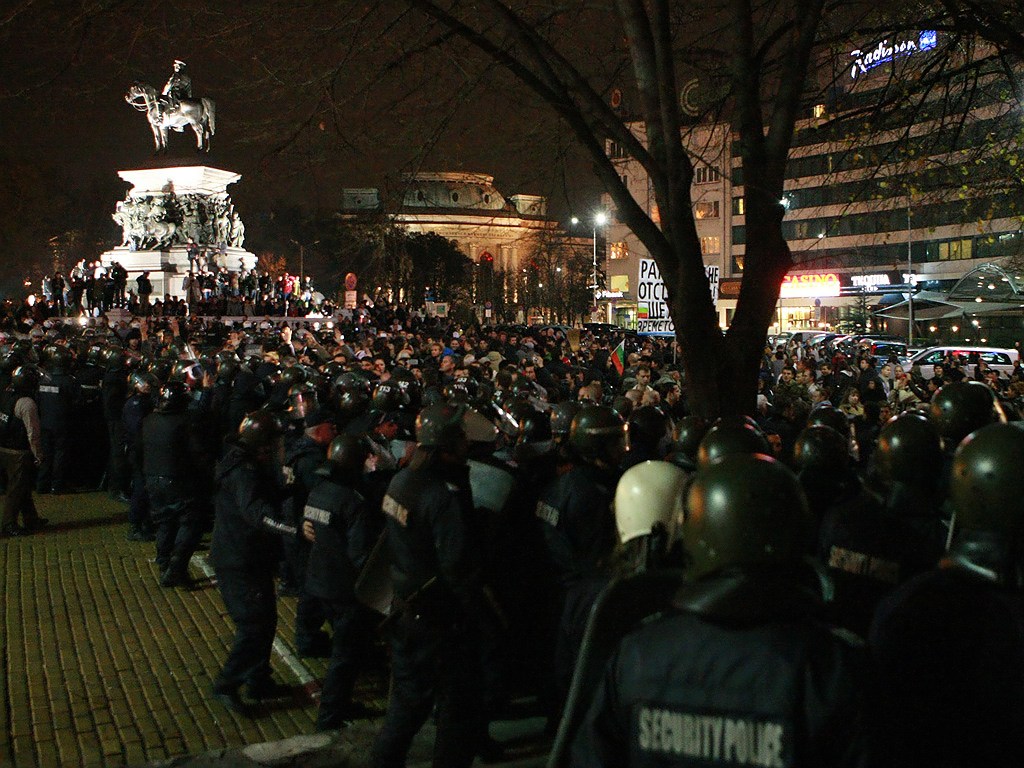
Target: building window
[616,151]
[705,174]
[618,251]
[420,196]
[954,250]
[487,199]
[819,110]
[625,181]
[707,209]
[655,214]
[710,245]
[802,229]
[739,206]
[455,197]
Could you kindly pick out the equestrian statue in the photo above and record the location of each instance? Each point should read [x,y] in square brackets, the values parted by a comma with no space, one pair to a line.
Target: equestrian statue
[174,108]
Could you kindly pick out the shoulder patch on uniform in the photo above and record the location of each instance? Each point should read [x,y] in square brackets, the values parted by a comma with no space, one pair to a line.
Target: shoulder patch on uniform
[547,513]
[317,515]
[395,510]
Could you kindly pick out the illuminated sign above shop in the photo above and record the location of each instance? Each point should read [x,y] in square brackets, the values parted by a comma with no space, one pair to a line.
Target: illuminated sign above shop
[812,286]
[865,61]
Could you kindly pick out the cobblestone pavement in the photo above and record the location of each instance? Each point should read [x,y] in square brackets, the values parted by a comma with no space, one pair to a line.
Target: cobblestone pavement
[101,666]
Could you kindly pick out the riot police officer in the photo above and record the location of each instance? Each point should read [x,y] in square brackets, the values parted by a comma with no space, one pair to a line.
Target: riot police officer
[741,671]
[245,548]
[59,396]
[436,578]
[947,644]
[137,407]
[172,463]
[343,530]
[114,390]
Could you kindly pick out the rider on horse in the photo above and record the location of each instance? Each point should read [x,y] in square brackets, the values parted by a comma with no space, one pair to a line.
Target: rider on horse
[179,86]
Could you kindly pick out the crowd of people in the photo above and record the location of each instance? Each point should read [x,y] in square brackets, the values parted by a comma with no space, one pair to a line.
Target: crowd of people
[833,580]
[91,289]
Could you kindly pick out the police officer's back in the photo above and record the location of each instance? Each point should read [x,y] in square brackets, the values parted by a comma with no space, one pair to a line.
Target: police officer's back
[948,644]
[742,671]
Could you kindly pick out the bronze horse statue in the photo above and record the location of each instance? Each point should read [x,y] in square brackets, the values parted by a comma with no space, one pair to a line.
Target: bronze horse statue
[197,113]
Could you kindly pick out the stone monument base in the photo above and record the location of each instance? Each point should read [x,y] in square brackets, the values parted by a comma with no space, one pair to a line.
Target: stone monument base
[169,268]
[169,207]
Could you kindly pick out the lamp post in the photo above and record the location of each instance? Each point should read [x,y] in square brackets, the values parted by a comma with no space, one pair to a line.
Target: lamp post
[600,219]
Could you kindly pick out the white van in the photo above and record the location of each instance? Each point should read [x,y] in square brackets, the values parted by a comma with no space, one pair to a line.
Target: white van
[996,358]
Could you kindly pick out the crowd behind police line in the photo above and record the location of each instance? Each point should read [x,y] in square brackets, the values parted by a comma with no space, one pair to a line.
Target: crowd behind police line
[486,462]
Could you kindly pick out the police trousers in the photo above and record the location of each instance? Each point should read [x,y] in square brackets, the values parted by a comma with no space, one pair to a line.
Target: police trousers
[252,605]
[20,467]
[431,663]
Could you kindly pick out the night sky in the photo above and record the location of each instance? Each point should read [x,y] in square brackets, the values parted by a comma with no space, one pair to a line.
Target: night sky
[311,97]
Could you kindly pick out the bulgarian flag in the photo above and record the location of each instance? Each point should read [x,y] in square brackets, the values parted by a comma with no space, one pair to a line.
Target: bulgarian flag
[619,357]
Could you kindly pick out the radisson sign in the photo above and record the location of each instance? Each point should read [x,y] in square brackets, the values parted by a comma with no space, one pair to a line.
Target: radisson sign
[865,61]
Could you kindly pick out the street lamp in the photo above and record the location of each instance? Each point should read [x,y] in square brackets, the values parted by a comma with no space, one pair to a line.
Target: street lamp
[600,219]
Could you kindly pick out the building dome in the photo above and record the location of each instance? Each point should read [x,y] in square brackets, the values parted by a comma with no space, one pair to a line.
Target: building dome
[462,191]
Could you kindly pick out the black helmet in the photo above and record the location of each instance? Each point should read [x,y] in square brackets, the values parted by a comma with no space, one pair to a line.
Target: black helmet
[351,392]
[112,357]
[293,375]
[440,425]
[598,433]
[623,406]
[160,368]
[744,510]
[649,426]
[534,426]
[388,396]
[348,452]
[25,378]
[909,451]
[690,430]
[985,484]
[56,358]
[959,408]
[727,439]
[827,415]
[143,382]
[302,400]
[820,449]
[173,397]
[188,372]
[562,415]
[259,429]
[462,389]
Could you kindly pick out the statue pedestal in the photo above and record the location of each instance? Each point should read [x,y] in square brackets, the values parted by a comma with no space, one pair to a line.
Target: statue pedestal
[165,211]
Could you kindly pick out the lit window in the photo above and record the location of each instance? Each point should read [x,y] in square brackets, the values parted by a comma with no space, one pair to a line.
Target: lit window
[710,245]
[618,251]
[707,209]
[655,214]
[739,206]
[819,110]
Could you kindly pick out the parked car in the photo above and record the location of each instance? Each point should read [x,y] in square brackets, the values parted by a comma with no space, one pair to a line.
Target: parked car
[997,358]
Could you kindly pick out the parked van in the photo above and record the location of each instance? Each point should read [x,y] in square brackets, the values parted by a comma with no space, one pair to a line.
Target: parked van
[998,359]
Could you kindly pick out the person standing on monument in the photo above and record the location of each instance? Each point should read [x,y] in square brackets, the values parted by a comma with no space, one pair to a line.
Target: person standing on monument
[179,86]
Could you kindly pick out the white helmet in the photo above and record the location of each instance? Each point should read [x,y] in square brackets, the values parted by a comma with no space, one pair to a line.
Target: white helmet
[649,493]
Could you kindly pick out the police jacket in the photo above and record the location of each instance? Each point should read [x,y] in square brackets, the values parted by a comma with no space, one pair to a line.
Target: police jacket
[249,520]
[115,391]
[741,673]
[136,409]
[431,536]
[577,522]
[57,399]
[345,533]
[948,648]
[169,446]
[303,458]
[14,432]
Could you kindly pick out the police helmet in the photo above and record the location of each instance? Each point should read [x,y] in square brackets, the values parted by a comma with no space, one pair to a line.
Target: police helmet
[647,494]
[909,451]
[348,452]
[388,396]
[143,382]
[623,406]
[293,375]
[827,415]
[730,438]
[821,449]
[598,433]
[562,415]
[260,429]
[440,426]
[534,426]
[985,483]
[650,426]
[56,358]
[188,372]
[173,397]
[689,431]
[462,389]
[302,399]
[25,378]
[351,392]
[744,509]
[960,408]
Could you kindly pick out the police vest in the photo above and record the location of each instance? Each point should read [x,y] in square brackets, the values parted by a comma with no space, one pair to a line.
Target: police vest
[13,434]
